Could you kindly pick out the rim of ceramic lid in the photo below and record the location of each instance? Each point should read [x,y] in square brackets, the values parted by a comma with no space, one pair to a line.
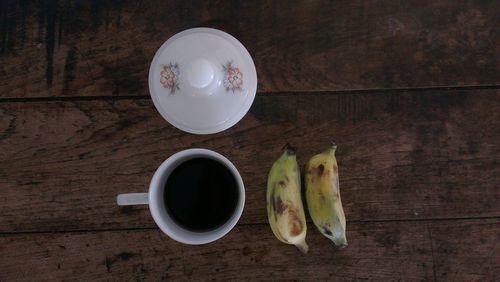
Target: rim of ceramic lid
[251,88]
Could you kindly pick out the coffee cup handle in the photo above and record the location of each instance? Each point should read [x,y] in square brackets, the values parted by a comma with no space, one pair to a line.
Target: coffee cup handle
[132,199]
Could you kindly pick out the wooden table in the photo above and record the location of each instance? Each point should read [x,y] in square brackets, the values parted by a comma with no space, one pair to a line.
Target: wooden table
[409,90]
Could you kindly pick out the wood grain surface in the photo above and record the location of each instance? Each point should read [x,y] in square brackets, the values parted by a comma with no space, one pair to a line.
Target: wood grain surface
[409,90]
[409,251]
[401,155]
[94,48]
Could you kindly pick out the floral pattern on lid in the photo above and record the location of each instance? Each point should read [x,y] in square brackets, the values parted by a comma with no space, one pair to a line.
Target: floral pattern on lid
[202,80]
[170,77]
[233,79]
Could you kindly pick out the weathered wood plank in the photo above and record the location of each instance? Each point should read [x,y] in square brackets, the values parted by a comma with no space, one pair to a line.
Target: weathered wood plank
[466,251]
[98,48]
[406,251]
[401,155]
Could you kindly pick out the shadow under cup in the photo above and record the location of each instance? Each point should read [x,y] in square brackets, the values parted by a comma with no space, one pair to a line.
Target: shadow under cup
[164,218]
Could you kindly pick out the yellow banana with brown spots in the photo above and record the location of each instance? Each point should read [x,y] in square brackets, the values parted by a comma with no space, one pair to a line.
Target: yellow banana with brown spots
[285,210]
[323,196]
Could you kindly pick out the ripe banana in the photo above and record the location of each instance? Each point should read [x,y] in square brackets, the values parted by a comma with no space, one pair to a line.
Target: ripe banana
[284,204]
[323,196]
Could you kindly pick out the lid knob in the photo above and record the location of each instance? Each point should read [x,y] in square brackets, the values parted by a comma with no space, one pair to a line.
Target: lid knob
[200,73]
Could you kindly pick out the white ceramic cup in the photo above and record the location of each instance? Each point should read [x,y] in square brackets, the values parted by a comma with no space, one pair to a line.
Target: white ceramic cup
[154,198]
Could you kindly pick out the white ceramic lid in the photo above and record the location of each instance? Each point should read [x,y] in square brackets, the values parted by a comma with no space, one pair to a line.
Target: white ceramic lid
[202,80]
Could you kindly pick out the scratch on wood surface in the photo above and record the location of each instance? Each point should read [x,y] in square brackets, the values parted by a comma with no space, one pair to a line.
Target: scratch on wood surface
[432,253]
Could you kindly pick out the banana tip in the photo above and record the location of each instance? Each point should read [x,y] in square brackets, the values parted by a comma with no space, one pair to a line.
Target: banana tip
[340,247]
[303,247]
[340,244]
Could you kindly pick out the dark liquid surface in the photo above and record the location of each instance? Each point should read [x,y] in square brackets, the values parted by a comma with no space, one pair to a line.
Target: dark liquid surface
[201,194]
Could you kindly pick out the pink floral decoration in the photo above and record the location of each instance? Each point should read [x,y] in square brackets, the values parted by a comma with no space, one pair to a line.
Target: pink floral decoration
[170,77]
[233,79]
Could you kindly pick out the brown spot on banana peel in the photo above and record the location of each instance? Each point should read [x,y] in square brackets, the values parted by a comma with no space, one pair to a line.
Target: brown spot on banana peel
[294,222]
[280,206]
[322,197]
[296,228]
[273,201]
[327,231]
[320,170]
[284,182]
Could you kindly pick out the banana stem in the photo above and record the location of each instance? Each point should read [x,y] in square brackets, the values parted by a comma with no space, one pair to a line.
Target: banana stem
[334,146]
[289,150]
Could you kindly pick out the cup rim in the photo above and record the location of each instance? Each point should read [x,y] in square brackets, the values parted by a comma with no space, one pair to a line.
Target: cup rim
[163,219]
